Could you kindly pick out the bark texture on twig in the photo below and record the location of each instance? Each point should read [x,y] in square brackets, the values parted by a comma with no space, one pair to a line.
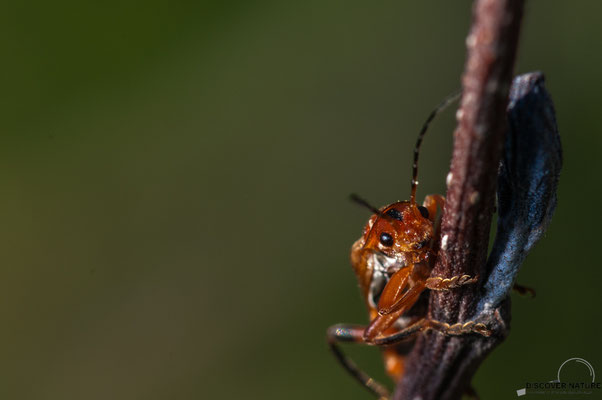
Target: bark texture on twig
[442,367]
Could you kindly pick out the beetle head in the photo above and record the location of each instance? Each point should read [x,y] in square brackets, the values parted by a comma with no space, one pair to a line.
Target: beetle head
[398,228]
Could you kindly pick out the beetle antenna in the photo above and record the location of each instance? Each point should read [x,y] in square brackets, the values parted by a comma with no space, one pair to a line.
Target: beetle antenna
[363,202]
[442,106]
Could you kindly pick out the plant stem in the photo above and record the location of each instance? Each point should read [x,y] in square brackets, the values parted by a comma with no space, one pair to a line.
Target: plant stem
[441,367]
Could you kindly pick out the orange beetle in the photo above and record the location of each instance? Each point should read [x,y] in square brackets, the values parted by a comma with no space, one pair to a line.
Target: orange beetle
[393,261]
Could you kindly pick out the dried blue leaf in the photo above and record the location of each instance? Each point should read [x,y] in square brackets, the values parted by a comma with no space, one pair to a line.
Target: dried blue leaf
[527,182]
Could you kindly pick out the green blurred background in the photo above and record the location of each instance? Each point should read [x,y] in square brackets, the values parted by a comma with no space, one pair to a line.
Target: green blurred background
[175,222]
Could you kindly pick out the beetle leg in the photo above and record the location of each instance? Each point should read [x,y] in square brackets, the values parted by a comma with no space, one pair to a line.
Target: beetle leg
[356,334]
[403,289]
[402,303]
[438,283]
[431,202]
[430,324]
[353,334]
[524,290]
[471,393]
[395,289]
[386,318]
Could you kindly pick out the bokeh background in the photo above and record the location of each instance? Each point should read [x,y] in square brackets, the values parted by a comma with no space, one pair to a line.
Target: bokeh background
[174,213]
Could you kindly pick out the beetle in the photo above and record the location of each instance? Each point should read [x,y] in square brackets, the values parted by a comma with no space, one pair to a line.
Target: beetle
[392,261]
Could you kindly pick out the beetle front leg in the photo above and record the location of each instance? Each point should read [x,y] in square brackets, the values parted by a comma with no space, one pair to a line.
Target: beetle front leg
[342,333]
[438,283]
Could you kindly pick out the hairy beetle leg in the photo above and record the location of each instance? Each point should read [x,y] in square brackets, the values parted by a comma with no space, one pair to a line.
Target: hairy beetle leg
[438,283]
[430,324]
[353,334]
[342,333]
[523,290]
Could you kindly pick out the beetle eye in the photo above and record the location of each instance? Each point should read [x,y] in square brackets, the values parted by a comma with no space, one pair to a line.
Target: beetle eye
[423,211]
[386,239]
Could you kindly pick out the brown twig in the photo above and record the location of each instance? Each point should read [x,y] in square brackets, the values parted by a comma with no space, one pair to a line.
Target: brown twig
[441,367]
